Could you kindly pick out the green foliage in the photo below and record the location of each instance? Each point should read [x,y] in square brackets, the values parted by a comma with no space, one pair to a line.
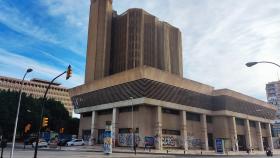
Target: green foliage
[30,113]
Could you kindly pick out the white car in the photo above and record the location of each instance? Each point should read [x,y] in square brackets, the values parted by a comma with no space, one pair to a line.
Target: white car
[75,142]
[41,143]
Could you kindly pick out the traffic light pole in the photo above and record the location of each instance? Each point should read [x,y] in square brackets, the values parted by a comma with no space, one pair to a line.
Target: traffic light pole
[42,113]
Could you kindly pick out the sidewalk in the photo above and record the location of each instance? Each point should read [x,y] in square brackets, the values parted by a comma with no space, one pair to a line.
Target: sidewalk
[98,148]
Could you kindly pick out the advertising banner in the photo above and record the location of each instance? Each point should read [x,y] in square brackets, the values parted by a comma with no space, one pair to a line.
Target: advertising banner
[107,147]
[108,141]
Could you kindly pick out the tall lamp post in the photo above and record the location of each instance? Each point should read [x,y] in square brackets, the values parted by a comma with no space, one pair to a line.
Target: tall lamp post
[18,109]
[69,74]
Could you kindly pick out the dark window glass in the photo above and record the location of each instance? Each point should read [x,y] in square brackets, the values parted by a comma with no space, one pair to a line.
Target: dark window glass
[209,119]
[193,116]
[127,130]
[263,125]
[87,114]
[253,124]
[170,111]
[170,132]
[105,112]
[239,121]
[128,109]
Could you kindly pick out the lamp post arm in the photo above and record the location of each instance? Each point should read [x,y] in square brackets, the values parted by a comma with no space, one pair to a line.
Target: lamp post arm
[268,62]
[42,112]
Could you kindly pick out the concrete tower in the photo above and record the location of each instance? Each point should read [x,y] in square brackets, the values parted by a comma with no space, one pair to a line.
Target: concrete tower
[99,40]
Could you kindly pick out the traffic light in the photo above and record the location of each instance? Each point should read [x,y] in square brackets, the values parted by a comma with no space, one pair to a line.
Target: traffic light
[61,130]
[45,121]
[27,128]
[68,72]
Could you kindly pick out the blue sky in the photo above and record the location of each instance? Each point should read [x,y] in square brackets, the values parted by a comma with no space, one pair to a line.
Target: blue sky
[219,37]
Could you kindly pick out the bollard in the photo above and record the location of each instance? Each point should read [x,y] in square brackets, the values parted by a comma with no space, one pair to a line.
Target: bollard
[184,152]
[167,151]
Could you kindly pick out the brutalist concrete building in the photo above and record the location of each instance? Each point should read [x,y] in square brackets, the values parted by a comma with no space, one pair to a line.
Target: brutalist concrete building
[134,79]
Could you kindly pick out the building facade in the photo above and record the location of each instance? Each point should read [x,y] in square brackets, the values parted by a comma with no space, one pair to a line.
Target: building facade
[171,111]
[273,95]
[135,38]
[37,88]
[139,38]
[145,97]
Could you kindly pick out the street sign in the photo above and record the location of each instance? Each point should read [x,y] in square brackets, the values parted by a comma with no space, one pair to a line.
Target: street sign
[220,147]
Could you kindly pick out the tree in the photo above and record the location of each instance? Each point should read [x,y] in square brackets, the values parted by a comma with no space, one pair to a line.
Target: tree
[31,112]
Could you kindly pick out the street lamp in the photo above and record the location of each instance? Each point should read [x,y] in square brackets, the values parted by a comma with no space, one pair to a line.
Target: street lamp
[18,109]
[68,73]
[250,64]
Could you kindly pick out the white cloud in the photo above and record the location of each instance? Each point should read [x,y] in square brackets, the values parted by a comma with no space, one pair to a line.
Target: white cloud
[15,65]
[75,18]
[17,21]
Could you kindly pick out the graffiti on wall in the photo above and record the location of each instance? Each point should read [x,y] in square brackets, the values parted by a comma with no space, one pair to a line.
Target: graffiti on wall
[125,139]
[194,142]
[170,141]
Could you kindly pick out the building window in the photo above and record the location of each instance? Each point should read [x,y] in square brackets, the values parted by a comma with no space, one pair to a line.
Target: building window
[170,132]
[239,122]
[263,125]
[170,111]
[128,109]
[210,140]
[209,119]
[253,124]
[86,114]
[193,116]
[105,112]
[127,130]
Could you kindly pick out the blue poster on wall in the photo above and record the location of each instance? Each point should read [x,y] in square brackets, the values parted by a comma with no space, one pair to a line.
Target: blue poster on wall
[149,141]
[107,147]
[219,143]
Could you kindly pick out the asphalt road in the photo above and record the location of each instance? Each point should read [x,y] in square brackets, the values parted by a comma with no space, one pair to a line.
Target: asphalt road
[19,153]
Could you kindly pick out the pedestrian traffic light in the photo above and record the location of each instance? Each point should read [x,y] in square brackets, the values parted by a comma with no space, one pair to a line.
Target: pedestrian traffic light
[68,72]
[27,128]
[45,121]
[61,130]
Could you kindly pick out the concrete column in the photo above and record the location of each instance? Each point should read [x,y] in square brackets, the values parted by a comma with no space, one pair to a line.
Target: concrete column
[158,128]
[115,128]
[92,129]
[269,136]
[184,133]
[248,134]
[204,134]
[259,136]
[233,134]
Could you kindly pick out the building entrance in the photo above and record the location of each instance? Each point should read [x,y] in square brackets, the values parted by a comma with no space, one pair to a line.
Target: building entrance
[100,136]
[265,142]
[86,135]
[241,142]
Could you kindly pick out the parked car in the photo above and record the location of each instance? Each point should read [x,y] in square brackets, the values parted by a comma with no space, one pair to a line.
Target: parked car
[76,142]
[41,143]
[63,142]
